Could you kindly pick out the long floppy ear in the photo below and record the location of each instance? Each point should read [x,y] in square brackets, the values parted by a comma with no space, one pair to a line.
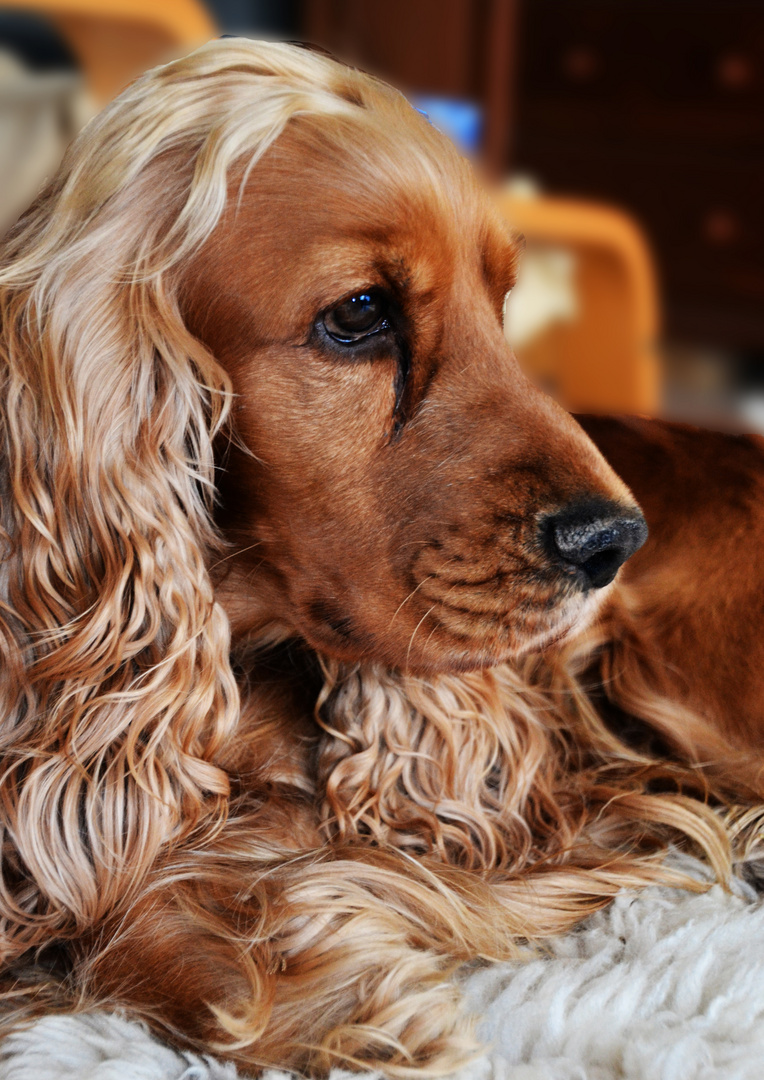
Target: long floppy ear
[116,685]
[116,689]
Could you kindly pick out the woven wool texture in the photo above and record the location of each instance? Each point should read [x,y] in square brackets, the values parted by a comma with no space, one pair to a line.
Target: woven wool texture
[661,985]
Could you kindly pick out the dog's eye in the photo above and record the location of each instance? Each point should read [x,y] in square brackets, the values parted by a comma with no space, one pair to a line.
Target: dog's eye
[357,317]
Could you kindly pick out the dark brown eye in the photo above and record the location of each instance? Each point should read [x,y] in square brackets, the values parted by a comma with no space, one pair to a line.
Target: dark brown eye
[357,318]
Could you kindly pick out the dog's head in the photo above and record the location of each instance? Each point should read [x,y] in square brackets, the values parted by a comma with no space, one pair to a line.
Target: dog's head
[396,488]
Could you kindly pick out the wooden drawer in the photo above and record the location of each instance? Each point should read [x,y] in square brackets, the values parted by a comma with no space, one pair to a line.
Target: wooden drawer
[649,68]
[671,50]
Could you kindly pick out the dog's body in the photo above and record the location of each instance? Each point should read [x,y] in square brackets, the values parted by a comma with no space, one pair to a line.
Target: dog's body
[284,842]
[699,605]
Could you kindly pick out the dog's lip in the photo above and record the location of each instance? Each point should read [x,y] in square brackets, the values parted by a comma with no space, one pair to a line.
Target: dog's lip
[576,623]
[500,592]
[515,630]
[478,655]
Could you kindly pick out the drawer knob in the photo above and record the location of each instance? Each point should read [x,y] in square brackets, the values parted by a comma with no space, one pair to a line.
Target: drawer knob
[735,71]
[581,64]
[721,227]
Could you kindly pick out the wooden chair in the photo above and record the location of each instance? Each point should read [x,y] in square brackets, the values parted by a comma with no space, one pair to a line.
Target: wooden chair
[603,360]
[116,40]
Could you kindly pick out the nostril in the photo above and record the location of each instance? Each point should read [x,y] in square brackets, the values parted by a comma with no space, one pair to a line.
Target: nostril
[592,540]
[600,569]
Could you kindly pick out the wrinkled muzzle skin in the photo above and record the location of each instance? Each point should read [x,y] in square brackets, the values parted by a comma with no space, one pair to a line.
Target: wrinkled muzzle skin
[385,498]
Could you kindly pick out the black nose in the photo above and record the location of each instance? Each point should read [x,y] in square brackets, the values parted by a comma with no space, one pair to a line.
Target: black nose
[592,539]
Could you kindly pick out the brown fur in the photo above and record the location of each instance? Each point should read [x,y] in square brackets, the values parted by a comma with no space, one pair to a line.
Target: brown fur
[696,584]
[296,722]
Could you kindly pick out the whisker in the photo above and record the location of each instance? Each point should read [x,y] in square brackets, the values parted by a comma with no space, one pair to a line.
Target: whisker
[407,598]
[413,635]
[238,551]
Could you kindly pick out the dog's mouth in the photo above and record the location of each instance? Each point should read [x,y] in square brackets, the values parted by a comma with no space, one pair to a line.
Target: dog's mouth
[484,628]
[486,602]
[470,597]
[454,625]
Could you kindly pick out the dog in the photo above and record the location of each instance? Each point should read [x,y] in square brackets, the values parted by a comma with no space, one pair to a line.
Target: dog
[335,655]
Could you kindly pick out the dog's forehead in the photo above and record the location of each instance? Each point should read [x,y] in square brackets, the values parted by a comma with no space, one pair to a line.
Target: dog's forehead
[366,200]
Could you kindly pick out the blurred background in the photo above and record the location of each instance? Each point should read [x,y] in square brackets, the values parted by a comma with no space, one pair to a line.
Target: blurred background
[624,138]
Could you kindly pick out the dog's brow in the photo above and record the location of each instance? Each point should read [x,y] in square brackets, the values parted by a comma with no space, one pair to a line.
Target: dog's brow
[399,273]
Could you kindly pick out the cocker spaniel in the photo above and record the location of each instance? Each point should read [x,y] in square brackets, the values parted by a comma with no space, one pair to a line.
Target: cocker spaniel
[320,678]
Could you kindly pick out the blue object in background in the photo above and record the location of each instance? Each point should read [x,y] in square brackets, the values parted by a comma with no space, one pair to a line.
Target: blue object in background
[461,120]
[273,18]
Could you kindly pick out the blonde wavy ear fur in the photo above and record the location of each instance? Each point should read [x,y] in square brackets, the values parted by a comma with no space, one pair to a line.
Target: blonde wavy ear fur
[117,689]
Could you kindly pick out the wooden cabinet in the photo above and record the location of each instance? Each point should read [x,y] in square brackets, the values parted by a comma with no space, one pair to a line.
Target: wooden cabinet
[658,106]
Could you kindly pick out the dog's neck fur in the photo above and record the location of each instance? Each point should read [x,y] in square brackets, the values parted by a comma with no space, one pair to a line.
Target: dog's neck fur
[495,770]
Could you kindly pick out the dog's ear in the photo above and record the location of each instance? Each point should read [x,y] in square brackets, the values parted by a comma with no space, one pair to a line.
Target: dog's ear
[116,686]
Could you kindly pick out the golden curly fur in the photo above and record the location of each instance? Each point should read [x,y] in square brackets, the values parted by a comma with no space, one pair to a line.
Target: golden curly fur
[286,737]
